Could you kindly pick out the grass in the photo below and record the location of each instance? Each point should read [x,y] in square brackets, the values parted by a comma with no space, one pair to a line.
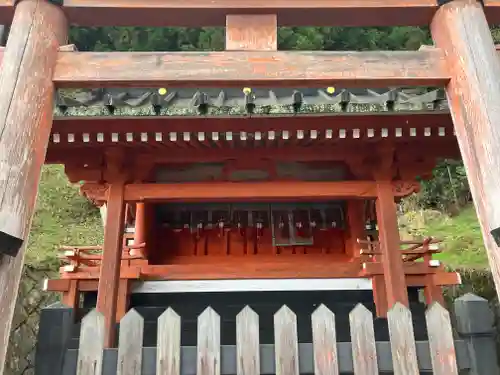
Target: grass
[62,217]
[461,235]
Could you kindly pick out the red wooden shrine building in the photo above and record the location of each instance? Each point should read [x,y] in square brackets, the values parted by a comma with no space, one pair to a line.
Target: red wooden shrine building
[250,169]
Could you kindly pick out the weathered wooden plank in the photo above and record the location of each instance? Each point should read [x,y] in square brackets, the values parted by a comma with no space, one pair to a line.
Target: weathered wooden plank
[247,342]
[403,348]
[441,344]
[26,104]
[212,13]
[168,356]
[460,28]
[286,342]
[324,342]
[130,344]
[364,352]
[268,69]
[90,353]
[208,361]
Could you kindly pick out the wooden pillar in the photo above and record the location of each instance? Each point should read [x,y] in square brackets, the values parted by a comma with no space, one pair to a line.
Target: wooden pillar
[392,261]
[107,294]
[26,104]
[140,223]
[356,223]
[460,29]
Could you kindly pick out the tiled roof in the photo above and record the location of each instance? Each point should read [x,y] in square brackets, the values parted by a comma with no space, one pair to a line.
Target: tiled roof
[192,102]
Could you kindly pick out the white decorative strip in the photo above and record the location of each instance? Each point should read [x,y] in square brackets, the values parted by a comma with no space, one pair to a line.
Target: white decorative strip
[258,136]
[413,132]
[239,285]
[442,132]
[158,137]
[370,133]
[285,134]
[243,136]
[114,137]
[385,132]
[329,134]
[215,136]
[144,137]
[229,136]
[201,136]
[71,137]
[270,135]
[399,132]
[130,137]
[172,136]
[314,134]
[427,132]
[300,134]
[86,137]
[342,133]
[355,133]
[56,137]
[186,137]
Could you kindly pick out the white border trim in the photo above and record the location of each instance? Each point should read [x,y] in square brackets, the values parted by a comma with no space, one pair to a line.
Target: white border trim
[254,285]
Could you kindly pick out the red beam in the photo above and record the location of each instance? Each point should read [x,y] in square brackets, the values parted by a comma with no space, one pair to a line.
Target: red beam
[258,69]
[198,13]
[359,120]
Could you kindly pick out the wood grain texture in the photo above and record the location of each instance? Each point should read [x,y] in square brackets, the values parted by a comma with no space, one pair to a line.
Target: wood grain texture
[252,190]
[130,344]
[247,342]
[461,30]
[441,344]
[26,101]
[208,361]
[90,353]
[264,69]
[109,275]
[251,32]
[394,274]
[324,342]
[212,13]
[403,348]
[364,353]
[168,357]
[286,342]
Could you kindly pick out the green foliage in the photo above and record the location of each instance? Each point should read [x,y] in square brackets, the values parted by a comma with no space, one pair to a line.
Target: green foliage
[206,39]
[448,190]
[63,217]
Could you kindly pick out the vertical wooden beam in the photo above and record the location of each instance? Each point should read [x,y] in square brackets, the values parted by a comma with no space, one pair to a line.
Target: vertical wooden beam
[356,223]
[26,102]
[392,261]
[460,29]
[251,32]
[140,223]
[107,294]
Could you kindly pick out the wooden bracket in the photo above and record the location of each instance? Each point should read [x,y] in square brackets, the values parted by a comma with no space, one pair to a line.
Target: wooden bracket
[68,48]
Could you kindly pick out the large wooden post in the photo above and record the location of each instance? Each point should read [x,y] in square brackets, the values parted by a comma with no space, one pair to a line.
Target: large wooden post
[460,29]
[109,278]
[392,261]
[26,104]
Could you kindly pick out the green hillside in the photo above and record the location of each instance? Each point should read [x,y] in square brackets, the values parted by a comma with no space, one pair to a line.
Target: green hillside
[63,216]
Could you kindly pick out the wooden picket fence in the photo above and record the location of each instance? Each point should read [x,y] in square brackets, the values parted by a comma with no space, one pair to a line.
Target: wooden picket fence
[287,356]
